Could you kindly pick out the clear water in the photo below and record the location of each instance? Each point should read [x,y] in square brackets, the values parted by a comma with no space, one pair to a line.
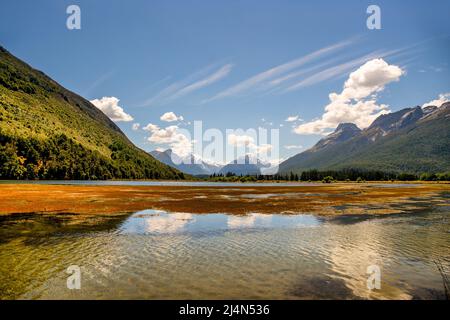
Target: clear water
[158,255]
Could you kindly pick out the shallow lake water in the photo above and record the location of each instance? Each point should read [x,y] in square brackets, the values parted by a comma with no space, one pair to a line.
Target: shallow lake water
[159,255]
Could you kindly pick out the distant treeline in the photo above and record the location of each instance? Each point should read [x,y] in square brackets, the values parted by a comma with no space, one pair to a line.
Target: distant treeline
[335,175]
[60,157]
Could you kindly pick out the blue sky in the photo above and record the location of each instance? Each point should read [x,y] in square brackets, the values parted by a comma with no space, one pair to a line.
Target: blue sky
[232,64]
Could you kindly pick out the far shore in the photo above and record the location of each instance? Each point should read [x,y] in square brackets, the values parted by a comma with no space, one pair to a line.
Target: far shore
[243,183]
[343,198]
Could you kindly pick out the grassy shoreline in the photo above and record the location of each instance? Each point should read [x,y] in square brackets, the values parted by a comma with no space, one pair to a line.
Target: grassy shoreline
[324,199]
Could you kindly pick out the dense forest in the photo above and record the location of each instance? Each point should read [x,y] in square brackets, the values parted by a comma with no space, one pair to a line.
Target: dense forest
[48,132]
[334,175]
[59,157]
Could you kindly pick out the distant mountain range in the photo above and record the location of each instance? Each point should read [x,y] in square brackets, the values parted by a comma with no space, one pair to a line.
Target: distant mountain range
[245,165]
[48,132]
[189,164]
[411,140]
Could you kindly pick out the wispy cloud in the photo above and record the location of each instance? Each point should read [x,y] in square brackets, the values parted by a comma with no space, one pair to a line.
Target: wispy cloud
[337,71]
[99,81]
[293,147]
[292,119]
[193,82]
[216,76]
[267,75]
[304,71]
[166,92]
[295,74]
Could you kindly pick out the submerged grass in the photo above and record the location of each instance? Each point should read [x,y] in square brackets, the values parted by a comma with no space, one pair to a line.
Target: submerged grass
[445,279]
[336,199]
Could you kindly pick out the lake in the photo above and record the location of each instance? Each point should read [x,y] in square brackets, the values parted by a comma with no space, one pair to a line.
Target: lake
[157,254]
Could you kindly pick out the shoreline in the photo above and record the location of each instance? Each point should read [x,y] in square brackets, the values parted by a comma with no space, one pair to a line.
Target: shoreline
[37,181]
[334,199]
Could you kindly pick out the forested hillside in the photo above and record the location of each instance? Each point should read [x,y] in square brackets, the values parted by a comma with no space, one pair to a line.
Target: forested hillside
[48,132]
[412,140]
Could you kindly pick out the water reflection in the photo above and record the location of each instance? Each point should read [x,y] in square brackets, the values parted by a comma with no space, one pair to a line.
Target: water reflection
[158,255]
[161,222]
[155,221]
[248,221]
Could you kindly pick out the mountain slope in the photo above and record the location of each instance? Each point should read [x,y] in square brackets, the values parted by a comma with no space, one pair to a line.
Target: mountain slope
[344,132]
[410,140]
[49,132]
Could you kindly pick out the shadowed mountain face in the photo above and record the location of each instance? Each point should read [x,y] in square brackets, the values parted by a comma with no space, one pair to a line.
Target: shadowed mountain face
[190,164]
[344,132]
[410,140]
[388,123]
[48,132]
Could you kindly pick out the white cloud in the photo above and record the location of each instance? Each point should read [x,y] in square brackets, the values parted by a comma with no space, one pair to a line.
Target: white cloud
[292,147]
[110,107]
[357,101]
[163,135]
[268,75]
[443,98]
[291,119]
[361,113]
[335,71]
[264,148]
[178,142]
[247,221]
[256,151]
[168,223]
[171,117]
[151,127]
[240,140]
[370,78]
[136,126]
